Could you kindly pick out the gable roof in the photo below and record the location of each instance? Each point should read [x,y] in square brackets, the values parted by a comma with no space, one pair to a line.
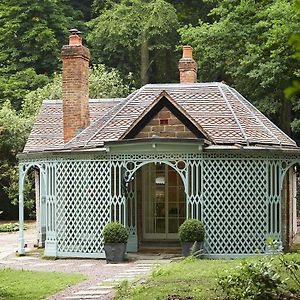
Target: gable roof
[218,111]
[163,100]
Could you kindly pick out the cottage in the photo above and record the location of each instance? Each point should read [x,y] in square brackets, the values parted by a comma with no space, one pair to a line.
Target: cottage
[165,153]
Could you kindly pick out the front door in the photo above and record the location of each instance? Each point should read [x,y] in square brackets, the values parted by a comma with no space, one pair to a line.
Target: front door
[163,202]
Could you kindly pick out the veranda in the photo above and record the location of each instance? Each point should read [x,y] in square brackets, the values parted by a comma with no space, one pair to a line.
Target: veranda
[242,196]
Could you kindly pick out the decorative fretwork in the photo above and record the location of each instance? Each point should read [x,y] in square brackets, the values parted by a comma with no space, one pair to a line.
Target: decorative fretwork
[238,197]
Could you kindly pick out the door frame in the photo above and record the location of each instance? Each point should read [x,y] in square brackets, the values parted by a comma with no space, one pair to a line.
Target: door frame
[166,235]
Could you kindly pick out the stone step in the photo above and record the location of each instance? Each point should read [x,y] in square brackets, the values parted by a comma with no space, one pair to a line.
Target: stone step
[101,287]
[92,292]
[83,297]
[125,276]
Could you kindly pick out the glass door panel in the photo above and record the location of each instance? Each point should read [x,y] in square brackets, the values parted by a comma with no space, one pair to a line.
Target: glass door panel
[164,202]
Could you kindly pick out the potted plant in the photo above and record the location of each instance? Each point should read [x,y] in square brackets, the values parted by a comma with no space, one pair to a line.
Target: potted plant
[191,234]
[115,240]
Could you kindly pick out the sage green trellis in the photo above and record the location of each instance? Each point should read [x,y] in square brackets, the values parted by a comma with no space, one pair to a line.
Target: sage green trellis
[238,196]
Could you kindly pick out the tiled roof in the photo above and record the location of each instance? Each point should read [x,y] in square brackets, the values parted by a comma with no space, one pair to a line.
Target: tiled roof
[47,131]
[224,115]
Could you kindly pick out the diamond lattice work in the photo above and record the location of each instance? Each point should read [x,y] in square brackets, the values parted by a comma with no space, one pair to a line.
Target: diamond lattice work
[235,212]
[238,197]
[83,205]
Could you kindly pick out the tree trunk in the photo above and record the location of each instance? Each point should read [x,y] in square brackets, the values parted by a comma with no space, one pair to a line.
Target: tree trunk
[144,59]
[286,116]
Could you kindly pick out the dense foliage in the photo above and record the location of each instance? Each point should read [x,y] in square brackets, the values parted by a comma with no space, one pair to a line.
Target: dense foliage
[252,45]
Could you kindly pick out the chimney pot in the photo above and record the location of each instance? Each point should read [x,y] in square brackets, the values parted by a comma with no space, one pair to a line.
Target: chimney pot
[74,38]
[187,52]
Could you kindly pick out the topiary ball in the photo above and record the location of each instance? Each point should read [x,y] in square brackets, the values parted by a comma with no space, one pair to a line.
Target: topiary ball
[191,230]
[115,232]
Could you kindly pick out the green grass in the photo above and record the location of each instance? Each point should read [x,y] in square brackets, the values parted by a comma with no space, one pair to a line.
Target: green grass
[9,227]
[22,285]
[190,277]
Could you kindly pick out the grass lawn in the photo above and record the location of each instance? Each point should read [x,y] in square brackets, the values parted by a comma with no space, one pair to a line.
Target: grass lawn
[9,227]
[21,284]
[187,278]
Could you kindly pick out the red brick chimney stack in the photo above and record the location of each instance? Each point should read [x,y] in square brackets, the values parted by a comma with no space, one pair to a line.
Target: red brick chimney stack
[187,66]
[75,86]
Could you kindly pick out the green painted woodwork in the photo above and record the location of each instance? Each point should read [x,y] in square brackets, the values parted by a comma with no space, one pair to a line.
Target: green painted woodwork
[237,196]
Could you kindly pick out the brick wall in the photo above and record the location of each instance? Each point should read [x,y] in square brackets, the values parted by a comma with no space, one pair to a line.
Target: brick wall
[166,125]
[187,66]
[75,89]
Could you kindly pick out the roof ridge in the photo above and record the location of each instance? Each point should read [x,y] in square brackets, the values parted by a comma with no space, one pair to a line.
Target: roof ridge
[234,116]
[270,122]
[256,118]
[129,98]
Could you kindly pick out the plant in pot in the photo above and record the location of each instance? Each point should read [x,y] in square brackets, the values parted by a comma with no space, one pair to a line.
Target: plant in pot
[191,234]
[115,240]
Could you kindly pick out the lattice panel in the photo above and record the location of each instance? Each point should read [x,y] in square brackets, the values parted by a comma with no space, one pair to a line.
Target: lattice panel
[235,212]
[238,197]
[83,205]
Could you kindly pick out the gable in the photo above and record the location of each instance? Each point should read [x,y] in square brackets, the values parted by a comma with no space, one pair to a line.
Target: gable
[165,124]
[164,120]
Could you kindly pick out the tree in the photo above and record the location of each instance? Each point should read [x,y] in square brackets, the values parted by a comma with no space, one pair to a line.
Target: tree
[292,92]
[136,36]
[247,46]
[31,35]
[191,11]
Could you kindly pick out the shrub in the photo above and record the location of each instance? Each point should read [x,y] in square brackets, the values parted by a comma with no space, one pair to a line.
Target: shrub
[253,280]
[115,233]
[191,230]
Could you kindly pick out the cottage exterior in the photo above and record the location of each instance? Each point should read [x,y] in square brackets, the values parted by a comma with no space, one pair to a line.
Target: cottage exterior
[165,153]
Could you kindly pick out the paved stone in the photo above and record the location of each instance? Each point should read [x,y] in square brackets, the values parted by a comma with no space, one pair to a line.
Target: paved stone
[92,292]
[101,287]
[83,297]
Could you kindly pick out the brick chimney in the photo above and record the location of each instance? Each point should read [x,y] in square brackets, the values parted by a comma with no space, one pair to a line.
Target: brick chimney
[75,86]
[187,66]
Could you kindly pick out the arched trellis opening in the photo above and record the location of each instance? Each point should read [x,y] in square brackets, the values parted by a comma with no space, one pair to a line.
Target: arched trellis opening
[39,183]
[155,199]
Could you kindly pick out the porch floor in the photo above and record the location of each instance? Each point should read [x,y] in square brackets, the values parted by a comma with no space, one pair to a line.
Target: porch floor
[160,247]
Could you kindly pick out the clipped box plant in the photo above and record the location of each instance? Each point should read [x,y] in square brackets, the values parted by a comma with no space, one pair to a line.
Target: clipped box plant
[115,237]
[191,234]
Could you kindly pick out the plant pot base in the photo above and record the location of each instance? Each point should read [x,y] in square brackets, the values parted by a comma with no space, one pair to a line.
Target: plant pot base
[189,247]
[115,252]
